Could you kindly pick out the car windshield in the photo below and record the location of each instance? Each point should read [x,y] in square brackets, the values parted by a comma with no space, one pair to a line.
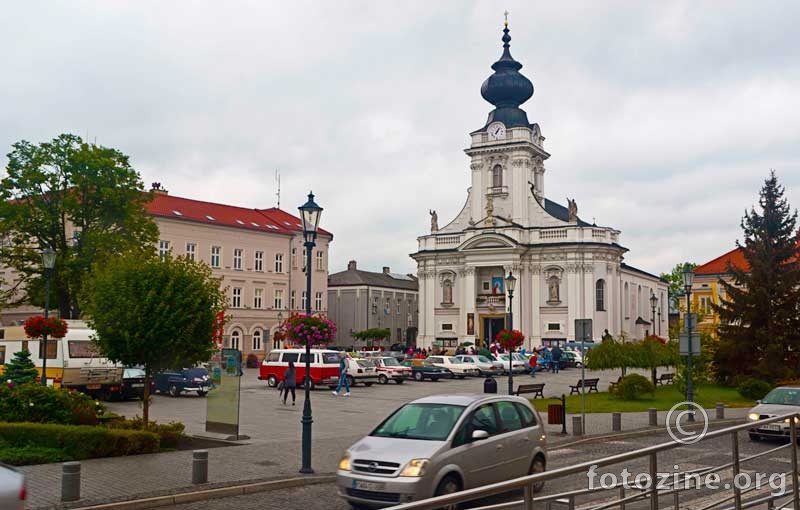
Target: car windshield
[428,422]
[483,359]
[783,396]
[390,362]
[133,373]
[365,363]
[453,360]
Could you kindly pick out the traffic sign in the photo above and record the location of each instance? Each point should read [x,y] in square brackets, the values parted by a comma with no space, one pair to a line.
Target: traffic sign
[689,322]
[683,344]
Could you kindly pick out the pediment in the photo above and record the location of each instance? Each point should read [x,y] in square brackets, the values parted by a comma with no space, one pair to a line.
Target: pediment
[485,241]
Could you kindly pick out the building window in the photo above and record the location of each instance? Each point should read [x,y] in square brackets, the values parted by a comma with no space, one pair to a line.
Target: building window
[497,176]
[447,326]
[236,298]
[553,326]
[399,302]
[237,258]
[705,304]
[258,302]
[318,301]
[191,249]
[235,340]
[257,340]
[279,262]
[303,300]
[215,256]
[259,261]
[293,299]
[600,296]
[320,260]
[447,292]
[278,303]
[163,249]
[294,257]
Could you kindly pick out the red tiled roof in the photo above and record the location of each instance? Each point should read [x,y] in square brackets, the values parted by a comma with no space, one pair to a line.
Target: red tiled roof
[720,264]
[263,220]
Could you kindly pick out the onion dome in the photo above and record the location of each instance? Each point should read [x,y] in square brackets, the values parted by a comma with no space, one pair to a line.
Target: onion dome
[507,88]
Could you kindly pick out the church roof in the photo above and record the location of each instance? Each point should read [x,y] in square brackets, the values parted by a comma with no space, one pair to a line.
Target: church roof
[357,277]
[560,212]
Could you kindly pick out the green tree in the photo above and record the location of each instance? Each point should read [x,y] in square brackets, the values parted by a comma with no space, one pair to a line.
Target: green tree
[84,201]
[650,353]
[20,369]
[610,354]
[372,334]
[675,279]
[153,312]
[759,308]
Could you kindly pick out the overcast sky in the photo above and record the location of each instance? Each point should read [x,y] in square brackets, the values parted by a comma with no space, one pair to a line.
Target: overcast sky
[663,118]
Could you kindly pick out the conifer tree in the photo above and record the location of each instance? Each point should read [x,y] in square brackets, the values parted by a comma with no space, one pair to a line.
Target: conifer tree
[759,311]
[20,369]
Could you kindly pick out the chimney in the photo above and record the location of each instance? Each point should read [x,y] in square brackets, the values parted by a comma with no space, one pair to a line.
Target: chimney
[351,266]
[386,270]
[156,188]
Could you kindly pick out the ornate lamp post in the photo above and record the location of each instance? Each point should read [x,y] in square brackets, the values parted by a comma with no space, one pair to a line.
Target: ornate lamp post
[688,279]
[511,282]
[653,304]
[310,212]
[48,263]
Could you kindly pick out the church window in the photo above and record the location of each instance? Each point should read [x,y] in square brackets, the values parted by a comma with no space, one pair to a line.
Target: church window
[600,295]
[497,176]
[447,292]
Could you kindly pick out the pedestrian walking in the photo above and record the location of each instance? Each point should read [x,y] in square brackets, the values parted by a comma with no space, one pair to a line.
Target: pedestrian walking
[533,363]
[342,376]
[289,382]
[556,354]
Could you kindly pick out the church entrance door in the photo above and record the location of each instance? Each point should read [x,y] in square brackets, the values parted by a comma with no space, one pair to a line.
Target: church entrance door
[490,326]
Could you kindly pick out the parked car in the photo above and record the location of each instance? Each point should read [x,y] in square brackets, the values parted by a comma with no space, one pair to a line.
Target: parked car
[177,382]
[484,365]
[132,385]
[443,444]
[453,364]
[518,362]
[576,358]
[361,371]
[12,488]
[390,369]
[422,369]
[781,400]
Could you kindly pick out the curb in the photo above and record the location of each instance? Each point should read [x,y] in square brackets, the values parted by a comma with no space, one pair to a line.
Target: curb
[202,495]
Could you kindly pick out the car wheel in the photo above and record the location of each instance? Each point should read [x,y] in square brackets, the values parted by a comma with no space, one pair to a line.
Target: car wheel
[272,381]
[383,379]
[754,436]
[173,391]
[418,376]
[450,484]
[351,381]
[202,393]
[537,466]
[398,381]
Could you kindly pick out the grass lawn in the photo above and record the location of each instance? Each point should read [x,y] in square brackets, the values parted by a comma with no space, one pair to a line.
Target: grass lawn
[665,397]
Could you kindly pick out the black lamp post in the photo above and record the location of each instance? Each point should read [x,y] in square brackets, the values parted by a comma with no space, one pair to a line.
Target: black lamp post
[280,327]
[688,279]
[511,282]
[653,303]
[310,212]
[48,263]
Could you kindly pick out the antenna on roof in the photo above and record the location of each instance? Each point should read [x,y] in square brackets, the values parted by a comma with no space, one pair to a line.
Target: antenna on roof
[278,181]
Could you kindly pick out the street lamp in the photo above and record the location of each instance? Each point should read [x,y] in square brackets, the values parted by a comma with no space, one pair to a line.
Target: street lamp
[48,263]
[511,282]
[688,279]
[310,213]
[653,304]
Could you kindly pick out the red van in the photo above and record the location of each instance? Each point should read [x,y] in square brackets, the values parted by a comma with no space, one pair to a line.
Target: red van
[324,366]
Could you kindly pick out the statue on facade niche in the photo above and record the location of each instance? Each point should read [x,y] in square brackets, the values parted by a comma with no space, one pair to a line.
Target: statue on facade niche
[552,287]
[573,210]
[434,221]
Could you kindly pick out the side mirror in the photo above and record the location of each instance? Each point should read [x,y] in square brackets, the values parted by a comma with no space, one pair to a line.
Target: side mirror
[477,435]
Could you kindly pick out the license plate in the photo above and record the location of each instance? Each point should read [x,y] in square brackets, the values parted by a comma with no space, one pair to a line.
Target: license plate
[773,428]
[137,385]
[368,486]
[93,386]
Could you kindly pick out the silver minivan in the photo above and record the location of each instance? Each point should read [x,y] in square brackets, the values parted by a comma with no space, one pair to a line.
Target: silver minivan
[442,444]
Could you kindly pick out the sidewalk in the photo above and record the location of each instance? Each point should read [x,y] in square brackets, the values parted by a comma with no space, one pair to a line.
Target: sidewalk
[127,478]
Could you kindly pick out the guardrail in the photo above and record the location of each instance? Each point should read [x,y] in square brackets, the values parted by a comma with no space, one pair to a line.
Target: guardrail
[526,483]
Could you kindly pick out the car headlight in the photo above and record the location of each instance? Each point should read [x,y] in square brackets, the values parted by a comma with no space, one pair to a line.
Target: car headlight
[796,420]
[344,464]
[415,467]
[753,416]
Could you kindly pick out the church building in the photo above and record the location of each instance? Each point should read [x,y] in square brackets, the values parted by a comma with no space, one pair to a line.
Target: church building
[565,268]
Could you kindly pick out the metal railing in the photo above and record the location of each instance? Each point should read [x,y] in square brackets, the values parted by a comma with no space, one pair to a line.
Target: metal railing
[568,499]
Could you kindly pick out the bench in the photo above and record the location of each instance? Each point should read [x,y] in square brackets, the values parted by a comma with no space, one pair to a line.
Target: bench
[536,389]
[591,384]
[665,379]
[613,384]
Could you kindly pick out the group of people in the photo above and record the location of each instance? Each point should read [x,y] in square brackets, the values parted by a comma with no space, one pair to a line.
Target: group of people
[547,358]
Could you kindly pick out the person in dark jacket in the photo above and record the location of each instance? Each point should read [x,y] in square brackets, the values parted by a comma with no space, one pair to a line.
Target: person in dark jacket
[289,382]
[556,354]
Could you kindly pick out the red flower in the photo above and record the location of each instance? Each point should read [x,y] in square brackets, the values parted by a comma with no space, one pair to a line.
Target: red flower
[510,339]
[37,326]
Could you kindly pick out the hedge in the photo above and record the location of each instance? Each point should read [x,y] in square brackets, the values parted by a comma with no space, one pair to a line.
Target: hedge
[44,404]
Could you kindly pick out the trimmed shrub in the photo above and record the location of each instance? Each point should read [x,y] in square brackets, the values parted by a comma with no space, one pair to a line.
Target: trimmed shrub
[754,388]
[43,404]
[22,456]
[169,433]
[633,386]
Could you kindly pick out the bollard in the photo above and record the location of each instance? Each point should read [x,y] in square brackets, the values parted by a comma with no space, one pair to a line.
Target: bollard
[563,415]
[653,416]
[70,481]
[720,411]
[616,422]
[577,426]
[200,466]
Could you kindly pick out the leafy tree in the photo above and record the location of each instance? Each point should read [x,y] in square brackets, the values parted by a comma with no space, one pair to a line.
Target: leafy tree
[84,201]
[651,353]
[20,369]
[372,334]
[610,354]
[759,309]
[675,279]
[153,312]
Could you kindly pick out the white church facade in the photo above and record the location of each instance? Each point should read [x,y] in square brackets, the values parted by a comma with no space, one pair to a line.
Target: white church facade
[566,268]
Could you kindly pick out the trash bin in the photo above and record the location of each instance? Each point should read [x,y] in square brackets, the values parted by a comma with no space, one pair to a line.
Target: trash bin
[489,385]
[554,414]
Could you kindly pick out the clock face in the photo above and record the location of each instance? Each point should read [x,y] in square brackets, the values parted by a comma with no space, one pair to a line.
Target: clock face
[497,131]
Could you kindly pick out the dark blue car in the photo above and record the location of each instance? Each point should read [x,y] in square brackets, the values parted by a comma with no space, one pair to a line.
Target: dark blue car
[176,382]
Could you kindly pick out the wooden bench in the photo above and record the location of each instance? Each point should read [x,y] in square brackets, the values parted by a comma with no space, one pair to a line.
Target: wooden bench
[536,389]
[591,384]
[665,379]
[613,384]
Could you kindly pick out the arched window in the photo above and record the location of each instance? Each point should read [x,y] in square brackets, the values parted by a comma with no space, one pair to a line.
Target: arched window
[600,296]
[257,340]
[497,176]
[235,339]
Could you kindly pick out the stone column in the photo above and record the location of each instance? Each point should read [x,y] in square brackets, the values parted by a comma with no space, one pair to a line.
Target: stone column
[588,295]
[468,301]
[536,295]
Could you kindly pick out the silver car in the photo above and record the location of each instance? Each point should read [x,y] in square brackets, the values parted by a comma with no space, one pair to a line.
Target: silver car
[12,488]
[484,365]
[781,400]
[442,444]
